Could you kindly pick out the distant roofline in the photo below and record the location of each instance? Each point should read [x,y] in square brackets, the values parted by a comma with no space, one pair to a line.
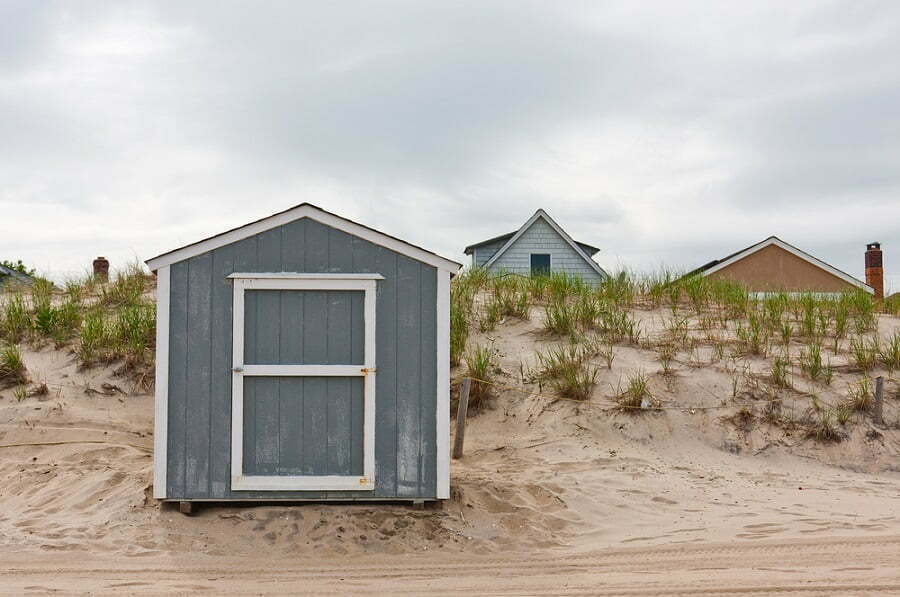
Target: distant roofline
[565,236]
[504,237]
[718,264]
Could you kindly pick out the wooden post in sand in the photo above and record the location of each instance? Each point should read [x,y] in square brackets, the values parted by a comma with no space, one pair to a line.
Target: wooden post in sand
[461,418]
[877,411]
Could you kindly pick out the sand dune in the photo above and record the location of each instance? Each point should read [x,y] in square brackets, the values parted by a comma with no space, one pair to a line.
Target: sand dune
[551,497]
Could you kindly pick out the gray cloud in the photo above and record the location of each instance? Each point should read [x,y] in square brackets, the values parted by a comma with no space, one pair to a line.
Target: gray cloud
[664,133]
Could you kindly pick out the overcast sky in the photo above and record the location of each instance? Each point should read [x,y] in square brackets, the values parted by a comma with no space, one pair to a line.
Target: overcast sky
[665,133]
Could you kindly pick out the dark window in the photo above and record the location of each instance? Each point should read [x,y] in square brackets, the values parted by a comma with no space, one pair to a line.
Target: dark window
[540,264]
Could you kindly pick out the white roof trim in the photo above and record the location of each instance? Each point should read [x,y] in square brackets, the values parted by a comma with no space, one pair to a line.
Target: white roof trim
[772,240]
[542,214]
[312,212]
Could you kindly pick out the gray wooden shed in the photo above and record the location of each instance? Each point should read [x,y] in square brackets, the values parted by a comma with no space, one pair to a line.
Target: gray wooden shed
[302,357]
[540,246]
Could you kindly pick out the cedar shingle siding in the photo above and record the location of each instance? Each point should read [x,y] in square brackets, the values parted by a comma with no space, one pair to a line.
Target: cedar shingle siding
[540,237]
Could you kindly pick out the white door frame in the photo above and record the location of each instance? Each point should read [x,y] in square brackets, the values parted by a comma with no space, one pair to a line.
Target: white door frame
[290,281]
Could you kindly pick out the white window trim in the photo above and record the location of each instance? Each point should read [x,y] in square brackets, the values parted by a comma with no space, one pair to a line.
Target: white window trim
[244,282]
[540,253]
[161,392]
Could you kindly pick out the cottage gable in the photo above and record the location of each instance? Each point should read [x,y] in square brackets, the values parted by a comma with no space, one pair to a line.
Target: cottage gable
[540,245]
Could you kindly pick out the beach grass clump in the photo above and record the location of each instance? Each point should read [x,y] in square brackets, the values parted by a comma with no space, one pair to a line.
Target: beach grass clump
[126,287]
[889,352]
[459,332]
[781,372]
[567,368]
[665,354]
[463,289]
[560,318]
[562,286]
[12,367]
[656,286]
[859,395]
[864,352]
[811,361]
[133,331]
[16,319]
[619,289]
[891,304]
[822,429]
[479,366]
[752,338]
[636,395]
[509,297]
[92,338]
[732,298]
[537,287]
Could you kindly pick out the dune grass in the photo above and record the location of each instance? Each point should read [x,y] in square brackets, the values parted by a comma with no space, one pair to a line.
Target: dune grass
[479,366]
[101,321]
[12,367]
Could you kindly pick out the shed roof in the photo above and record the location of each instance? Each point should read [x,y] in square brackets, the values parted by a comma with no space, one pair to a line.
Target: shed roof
[718,264]
[304,210]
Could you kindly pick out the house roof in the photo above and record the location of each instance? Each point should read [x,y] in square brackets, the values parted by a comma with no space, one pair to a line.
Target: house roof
[718,264]
[514,236]
[313,212]
[17,275]
[591,250]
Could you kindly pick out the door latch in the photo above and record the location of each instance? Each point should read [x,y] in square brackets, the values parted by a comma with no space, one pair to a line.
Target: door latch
[237,369]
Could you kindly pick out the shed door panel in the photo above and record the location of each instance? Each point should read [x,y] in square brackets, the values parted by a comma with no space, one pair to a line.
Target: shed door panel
[303,426]
[303,327]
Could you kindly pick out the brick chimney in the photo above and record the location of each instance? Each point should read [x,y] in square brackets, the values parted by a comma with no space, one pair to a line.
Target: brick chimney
[874,271]
[101,268]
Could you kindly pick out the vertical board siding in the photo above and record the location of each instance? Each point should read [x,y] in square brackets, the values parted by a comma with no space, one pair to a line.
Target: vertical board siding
[540,237]
[178,400]
[311,424]
[199,354]
[408,378]
[484,253]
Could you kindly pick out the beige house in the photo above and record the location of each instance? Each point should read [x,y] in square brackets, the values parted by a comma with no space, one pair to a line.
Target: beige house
[773,265]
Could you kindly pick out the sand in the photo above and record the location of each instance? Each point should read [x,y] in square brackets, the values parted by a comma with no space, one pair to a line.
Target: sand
[551,497]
